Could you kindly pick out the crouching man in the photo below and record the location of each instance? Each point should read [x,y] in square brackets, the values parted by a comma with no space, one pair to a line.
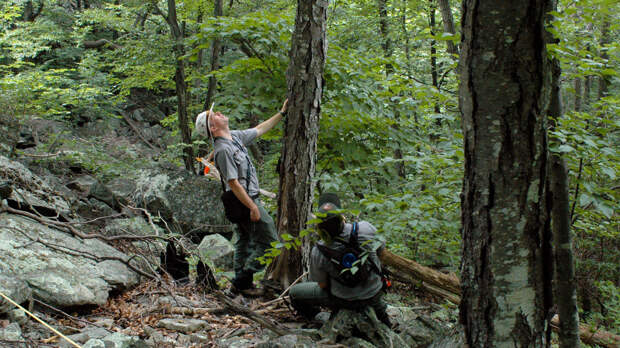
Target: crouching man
[338,277]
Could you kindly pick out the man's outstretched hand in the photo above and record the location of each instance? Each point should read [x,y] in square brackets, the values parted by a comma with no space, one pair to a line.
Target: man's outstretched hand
[284,108]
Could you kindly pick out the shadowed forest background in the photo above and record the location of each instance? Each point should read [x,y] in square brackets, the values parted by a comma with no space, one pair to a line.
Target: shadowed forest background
[390,139]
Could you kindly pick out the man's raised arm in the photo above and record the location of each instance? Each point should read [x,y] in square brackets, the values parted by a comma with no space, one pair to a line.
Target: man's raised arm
[266,126]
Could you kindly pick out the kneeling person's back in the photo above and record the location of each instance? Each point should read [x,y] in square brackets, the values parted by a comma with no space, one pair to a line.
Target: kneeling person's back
[324,269]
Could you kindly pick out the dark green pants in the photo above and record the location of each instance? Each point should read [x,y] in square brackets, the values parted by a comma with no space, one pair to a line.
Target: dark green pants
[253,239]
[307,297]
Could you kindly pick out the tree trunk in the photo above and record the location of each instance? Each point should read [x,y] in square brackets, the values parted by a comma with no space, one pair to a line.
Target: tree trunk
[434,75]
[298,159]
[592,336]
[30,13]
[506,242]
[386,41]
[386,45]
[448,24]
[407,48]
[577,86]
[603,85]
[216,48]
[565,290]
[181,86]
[587,90]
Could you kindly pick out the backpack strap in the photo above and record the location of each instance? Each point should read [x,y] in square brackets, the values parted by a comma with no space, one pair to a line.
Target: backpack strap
[353,235]
[354,242]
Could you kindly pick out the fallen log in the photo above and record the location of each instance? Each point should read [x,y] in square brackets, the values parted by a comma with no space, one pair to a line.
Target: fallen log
[591,335]
[416,272]
[448,287]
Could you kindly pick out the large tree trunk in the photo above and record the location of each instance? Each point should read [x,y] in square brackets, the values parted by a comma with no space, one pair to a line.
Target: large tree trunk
[506,242]
[448,24]
[298,159]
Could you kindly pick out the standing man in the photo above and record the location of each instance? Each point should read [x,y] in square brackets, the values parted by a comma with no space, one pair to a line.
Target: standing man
[327,286]
[233,161]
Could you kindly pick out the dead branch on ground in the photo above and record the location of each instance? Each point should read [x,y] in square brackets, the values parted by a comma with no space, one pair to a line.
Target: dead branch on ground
[236,308]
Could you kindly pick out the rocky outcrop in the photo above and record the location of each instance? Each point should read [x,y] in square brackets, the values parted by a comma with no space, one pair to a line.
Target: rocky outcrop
[146,250]
[30,191]
[187,202]
[16,289]
[59,269]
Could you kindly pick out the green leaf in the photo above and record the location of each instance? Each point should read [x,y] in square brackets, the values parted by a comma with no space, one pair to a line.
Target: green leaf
[565,148]
[287,237]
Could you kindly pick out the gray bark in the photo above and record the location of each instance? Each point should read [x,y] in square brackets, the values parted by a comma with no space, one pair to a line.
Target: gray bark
[506,242]
[448,24]
[565,294]
[298,159]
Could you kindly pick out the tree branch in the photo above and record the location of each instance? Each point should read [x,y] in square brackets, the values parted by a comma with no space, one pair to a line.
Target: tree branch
[75,232]
[137,131]
[159,12]
[252,53]
[251,315]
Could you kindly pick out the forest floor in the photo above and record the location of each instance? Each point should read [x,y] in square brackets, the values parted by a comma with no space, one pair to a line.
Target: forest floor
[140,311]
